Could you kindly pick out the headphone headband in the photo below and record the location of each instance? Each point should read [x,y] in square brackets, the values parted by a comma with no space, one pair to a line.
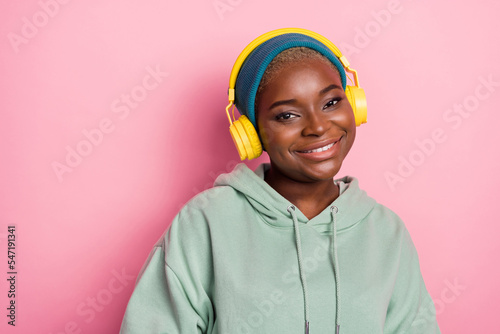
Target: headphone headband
[271,34]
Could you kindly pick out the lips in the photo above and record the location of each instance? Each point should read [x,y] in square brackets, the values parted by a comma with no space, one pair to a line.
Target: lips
[321,146]
[321,151]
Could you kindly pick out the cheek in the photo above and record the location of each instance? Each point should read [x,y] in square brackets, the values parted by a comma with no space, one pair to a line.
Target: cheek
[276,138]
[349,124]
[345,119]
[264,136]
[269,133]
[351,138]
[351,117]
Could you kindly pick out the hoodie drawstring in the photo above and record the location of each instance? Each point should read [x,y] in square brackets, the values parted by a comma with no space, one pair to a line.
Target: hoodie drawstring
[303,281]
[333,210]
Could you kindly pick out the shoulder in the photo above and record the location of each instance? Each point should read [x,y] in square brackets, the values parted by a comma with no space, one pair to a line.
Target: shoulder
[213,201]
[208,210]
[393,231]
[387,218]
[384,214]
[384,232]
[357,207]
[378,218]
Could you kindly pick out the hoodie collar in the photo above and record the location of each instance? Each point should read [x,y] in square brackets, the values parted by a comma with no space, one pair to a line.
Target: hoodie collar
[353,203]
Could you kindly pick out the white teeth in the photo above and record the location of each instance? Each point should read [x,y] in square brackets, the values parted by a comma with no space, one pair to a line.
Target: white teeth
[321,149]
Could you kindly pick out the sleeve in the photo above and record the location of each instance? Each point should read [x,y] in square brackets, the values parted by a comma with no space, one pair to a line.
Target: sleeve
[168,300]
[411,309]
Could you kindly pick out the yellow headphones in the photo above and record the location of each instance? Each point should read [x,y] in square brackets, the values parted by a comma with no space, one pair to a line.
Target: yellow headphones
[243,132]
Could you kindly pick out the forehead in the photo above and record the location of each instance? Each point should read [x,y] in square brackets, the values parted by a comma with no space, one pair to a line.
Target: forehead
[308,76]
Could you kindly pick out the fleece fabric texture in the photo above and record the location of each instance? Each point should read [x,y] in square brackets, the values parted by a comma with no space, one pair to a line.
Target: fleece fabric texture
[228,264]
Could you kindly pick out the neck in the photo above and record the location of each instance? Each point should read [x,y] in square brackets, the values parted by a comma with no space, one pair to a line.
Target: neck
[311,198]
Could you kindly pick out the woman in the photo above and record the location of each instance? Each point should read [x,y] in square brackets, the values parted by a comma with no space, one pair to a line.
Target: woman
[286,249]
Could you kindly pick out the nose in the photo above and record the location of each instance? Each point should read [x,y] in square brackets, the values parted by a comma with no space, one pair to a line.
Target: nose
[316,124]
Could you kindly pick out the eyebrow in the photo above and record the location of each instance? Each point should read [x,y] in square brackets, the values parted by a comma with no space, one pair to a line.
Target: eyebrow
[323,91]
[332,86]
[279,103]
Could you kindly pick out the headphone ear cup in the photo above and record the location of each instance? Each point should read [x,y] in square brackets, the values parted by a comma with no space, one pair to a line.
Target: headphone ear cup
[357,99]
[245,138]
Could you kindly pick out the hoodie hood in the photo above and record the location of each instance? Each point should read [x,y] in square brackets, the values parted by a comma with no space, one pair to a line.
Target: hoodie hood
[353,203]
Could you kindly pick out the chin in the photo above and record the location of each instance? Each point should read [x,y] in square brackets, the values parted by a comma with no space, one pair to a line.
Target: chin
[321,172]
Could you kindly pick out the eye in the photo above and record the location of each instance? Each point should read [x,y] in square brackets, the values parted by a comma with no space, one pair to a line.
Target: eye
[331,103]
[285,116]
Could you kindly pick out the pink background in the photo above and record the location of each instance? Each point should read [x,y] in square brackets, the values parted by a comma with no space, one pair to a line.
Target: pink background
[66,73]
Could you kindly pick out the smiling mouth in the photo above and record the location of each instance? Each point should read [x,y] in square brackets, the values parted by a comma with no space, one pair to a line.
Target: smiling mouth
[320,149]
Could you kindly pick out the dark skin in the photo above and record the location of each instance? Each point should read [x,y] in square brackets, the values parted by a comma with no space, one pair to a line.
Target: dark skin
[307,127]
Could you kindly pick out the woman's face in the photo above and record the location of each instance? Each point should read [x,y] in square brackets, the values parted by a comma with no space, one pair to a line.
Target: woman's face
[306,122]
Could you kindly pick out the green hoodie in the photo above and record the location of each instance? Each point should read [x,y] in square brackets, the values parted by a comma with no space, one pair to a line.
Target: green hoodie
[239,258]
